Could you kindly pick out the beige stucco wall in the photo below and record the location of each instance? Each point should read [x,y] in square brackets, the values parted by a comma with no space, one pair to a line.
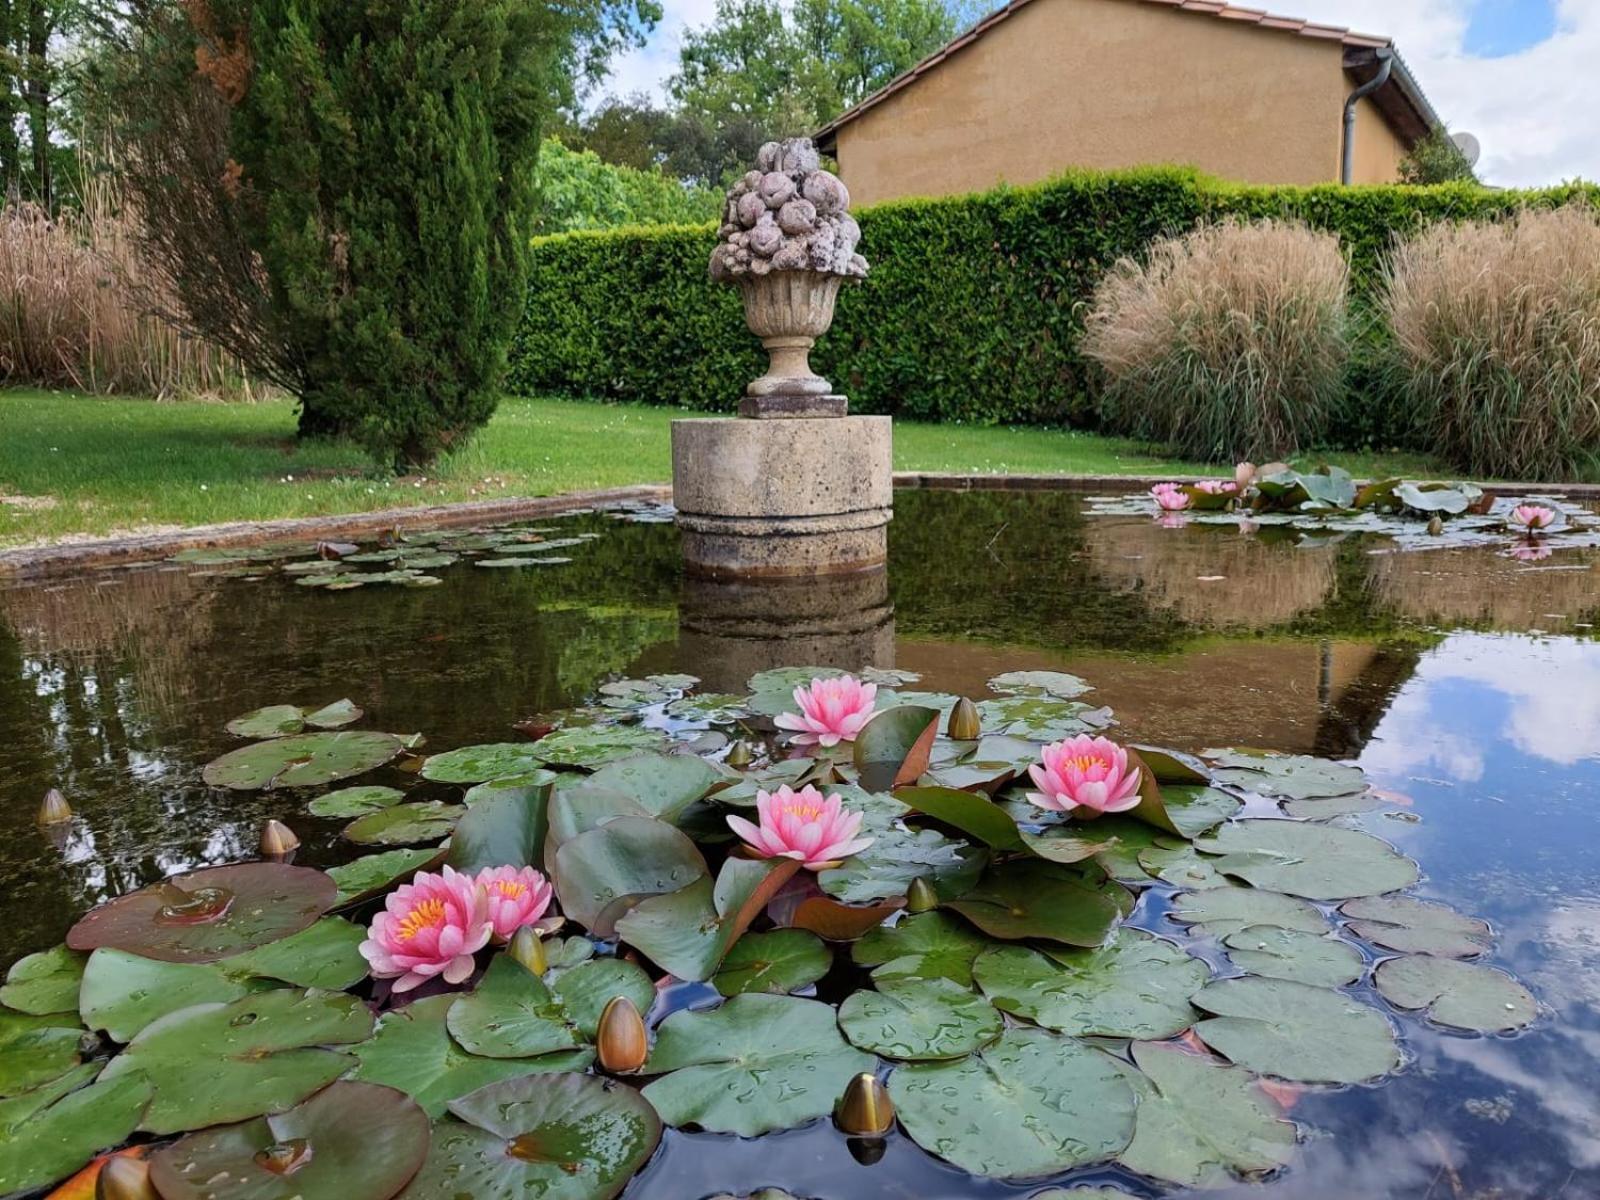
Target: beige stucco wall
[1379,149]
[1108,84]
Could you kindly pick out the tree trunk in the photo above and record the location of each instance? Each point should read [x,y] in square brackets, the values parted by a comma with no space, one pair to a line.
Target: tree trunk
[37,68]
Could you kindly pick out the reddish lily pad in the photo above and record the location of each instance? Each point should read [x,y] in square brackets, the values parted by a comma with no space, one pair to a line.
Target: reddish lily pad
[357,1141]
[893,748]
[305,760]
[210,914]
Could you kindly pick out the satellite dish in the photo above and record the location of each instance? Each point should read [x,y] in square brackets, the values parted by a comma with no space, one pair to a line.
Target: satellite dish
[1471,148]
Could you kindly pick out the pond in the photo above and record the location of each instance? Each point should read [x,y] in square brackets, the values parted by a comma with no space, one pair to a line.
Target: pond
[1463,681]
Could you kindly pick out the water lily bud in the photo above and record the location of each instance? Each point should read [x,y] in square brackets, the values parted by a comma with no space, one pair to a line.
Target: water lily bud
[54,810]
[278,840]
[739,755]
[964,725]
[920,896]
[124,1178]
[620,1042]
[1435,525]
[1244,475]
[527,947]
[865,1109]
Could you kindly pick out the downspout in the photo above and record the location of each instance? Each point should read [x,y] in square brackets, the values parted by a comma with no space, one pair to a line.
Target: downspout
[1385,68]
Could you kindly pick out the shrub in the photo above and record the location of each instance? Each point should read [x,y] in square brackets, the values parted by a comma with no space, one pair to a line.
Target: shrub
[1227,343]
[1496,341]
[578,190]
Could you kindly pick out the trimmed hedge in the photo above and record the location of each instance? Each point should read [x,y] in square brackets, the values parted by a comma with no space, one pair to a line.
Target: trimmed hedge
[974,306]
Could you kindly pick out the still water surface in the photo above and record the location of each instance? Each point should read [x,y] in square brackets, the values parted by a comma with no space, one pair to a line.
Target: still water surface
[1465,682]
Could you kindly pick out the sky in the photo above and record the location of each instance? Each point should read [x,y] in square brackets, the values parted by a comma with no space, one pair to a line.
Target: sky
[1523,75]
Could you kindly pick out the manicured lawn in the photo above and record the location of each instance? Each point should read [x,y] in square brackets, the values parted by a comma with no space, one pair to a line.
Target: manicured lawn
[76,465]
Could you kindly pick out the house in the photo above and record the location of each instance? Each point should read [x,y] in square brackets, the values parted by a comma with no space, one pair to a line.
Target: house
[1043,85]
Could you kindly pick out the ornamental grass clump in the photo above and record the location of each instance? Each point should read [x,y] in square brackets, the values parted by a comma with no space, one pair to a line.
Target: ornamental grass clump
[1496,341]
[1229,342]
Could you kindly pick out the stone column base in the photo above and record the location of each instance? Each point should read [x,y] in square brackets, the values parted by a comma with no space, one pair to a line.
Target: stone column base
[775,498]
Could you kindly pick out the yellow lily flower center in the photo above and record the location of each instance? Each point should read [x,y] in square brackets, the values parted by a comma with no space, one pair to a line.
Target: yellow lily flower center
[511,889]
[427,915]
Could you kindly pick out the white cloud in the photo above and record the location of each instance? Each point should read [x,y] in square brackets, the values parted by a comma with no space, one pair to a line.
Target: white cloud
[1537,111]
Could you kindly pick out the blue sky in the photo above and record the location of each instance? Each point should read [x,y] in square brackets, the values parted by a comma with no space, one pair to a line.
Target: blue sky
[1523,75]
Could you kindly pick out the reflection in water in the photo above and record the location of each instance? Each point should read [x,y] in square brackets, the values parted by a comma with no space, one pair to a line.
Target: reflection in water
[115,688]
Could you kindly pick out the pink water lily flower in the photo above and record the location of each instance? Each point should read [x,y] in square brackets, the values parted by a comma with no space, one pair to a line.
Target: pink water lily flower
[430,926]
[1217,487]
[831,711]
[1086,776]
[1169,497]
[802,825]
[1533,517]
[518,896]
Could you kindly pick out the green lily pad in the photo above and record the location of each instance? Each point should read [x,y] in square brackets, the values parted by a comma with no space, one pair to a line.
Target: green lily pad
[898,855]
[714,708]
[602,873]
[214,1063]
[1458,994]
[663,784]
[593,746]
[43,983]
[930,945]
[1296,1031]
[35,1050]
[586,987]
[1178,863]
[325,955]
[755,1064]
[1312,958]
[276,720]
[559,1137]
[773,691]
[376,872]
[1040,683]
[1136,986]
[1326,808]
[1031,1104]
[782,960]
[334,716]
[123,993]
[634,693]
[892,748]
[1220,911]
[404,824]
[511,1014]
[505,824]
[305,760]
[1286,776]
[208,914]
[476,764]
[1041,718]
[355,802]
[412,1050]
[919,1019]
[691,931]
[1025,899]
[1123,839]
[1415,927]
[1172,766]
[355,1140]
[1201,1123]
[1197,810]
[976,816]
[50,1134]
[1319,862]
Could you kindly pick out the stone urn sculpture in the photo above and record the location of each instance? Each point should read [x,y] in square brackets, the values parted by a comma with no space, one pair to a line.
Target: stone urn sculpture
[787,242]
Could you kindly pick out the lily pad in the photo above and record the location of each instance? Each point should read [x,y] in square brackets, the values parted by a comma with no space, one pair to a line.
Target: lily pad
[1458,994]
[1319,862]
[50,1134]
[755,1064]
[586,987]
[1178,863]
[1041,718]
[476,764]
[325,955]
[1026,899]
[214,1063]
[1220,911]
[691,931]
[505,824]
[714,708]
[43,983]
[355,802]
[602,873]
[334,716]
[305,760]
[511,1014]
[208,914]
[919,1019]
[123,993]
[276,720]
[1201,1123]
[663,784]
[405,824]
[1031,1104]
[898,855]
[555,1137]
[1197,810]
[1417,927]
[35,1050]
[1326,808]
[782,960]
[593,746]
[376,872]
[930,945]
[1136,986]
[976,816]
[772,692]
[1123,839]
[1040,683]
[892,749]
[1312,958]
[412,1050]
[359,1141]
[1286,776]
[1295,1031]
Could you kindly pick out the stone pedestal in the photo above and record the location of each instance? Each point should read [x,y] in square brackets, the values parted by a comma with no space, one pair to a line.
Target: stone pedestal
[776,497]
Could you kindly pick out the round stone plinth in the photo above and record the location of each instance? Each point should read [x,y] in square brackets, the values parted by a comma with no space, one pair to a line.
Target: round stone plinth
[776,498]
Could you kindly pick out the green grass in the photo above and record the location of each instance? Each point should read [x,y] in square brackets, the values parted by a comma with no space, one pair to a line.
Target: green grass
[83,466]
